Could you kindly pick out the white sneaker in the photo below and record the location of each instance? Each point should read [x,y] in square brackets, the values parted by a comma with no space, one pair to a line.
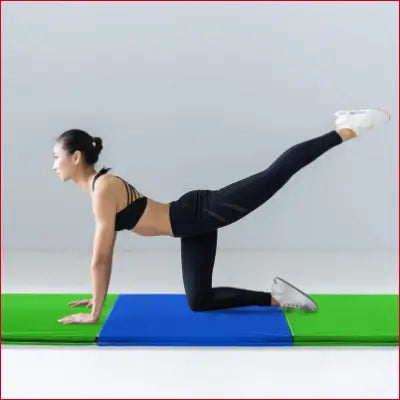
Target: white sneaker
[289,296]
[361,121]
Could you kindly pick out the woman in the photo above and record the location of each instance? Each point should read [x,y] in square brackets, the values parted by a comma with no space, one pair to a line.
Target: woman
[194,218]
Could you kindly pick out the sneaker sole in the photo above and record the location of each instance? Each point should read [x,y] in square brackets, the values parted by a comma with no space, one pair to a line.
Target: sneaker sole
[304,294]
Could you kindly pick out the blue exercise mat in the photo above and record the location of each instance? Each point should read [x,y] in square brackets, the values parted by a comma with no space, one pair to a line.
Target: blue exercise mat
[167,320]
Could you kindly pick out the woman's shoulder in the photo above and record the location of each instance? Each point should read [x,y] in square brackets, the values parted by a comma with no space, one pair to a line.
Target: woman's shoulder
[115,182]
[111,182]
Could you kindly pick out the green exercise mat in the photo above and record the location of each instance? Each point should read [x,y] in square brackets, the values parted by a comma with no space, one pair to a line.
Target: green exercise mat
[31,318]
[347,319]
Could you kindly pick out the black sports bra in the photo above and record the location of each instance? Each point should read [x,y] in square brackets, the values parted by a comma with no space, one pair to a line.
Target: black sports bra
[128,217]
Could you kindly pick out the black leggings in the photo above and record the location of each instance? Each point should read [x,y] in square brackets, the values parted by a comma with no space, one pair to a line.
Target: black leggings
[197,215]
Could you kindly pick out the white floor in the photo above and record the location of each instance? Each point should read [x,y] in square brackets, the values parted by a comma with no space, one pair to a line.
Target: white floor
[201,372]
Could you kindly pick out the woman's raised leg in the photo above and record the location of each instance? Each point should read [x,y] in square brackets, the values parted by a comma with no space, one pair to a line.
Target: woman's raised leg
[233,202]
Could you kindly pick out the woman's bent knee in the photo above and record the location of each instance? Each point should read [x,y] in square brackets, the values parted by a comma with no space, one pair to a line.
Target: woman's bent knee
[199,304]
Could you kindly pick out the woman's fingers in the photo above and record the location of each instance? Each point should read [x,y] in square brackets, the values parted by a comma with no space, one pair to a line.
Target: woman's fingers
[79,302]
[74,303]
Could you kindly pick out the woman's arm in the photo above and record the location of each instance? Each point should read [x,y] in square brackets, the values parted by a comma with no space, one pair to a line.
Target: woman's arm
[104,210]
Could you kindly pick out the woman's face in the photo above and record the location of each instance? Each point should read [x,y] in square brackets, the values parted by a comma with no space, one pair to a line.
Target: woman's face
[63,164]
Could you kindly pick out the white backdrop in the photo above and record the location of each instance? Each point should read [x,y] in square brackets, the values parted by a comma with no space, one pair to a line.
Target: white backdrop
[196,96]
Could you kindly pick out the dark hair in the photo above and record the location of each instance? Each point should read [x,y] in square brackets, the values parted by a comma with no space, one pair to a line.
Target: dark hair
[76,139]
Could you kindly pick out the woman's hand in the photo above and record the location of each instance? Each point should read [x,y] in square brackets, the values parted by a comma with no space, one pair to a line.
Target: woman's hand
[88,303]
[79,319]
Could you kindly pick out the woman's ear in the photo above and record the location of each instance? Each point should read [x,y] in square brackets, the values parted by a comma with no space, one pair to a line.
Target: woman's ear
[76,157]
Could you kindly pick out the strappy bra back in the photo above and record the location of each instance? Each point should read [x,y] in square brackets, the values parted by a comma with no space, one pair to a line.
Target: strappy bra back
[128,217]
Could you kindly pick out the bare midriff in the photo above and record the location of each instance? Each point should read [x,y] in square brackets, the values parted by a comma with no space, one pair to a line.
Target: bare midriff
[155,220]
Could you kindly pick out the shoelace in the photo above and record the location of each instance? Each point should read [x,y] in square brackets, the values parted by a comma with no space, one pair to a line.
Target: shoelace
[357,112]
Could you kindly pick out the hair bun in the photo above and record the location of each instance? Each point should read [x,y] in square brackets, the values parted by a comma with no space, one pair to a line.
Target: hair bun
[98,144]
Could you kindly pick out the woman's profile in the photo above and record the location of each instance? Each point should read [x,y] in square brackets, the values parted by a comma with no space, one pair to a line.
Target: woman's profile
[194,217]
